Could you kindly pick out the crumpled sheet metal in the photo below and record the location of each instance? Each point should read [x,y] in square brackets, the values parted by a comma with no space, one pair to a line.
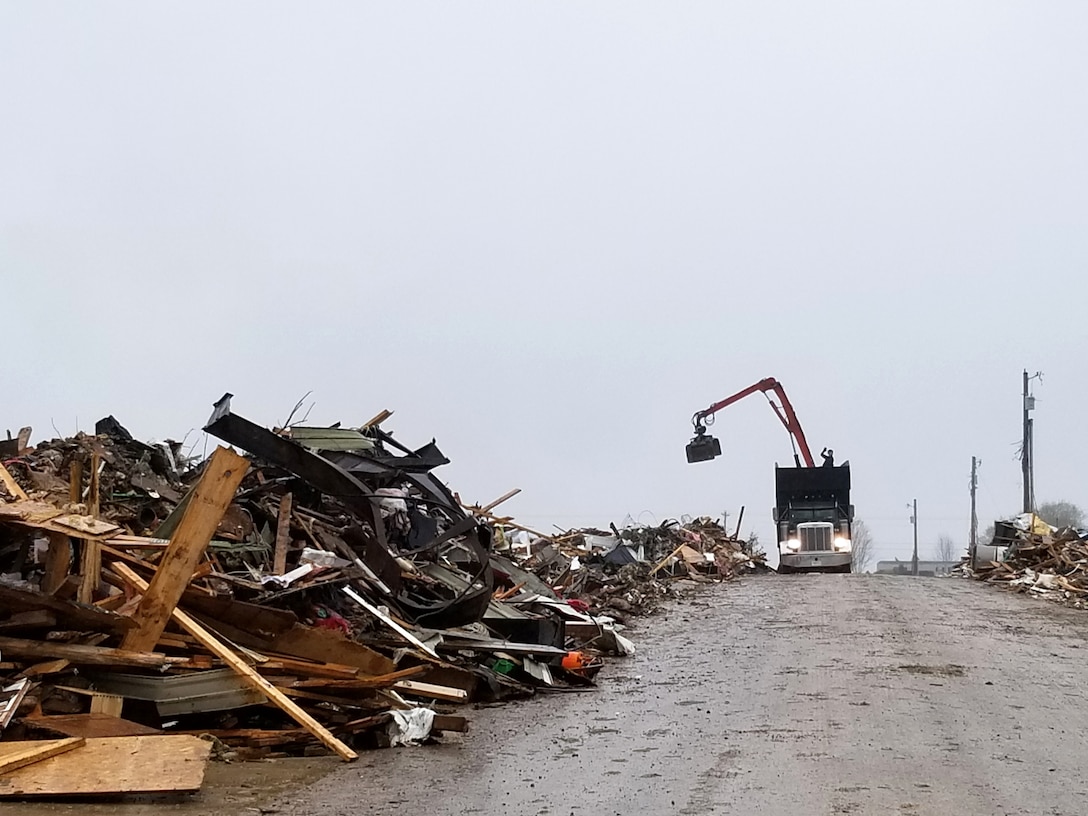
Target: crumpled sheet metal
[326,476]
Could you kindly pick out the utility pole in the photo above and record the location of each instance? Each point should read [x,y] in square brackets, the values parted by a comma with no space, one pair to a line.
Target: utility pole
[975,462]
[1027,451]
[914,558]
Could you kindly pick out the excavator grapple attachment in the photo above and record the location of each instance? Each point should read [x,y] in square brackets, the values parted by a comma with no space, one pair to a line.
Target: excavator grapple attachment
[703,448]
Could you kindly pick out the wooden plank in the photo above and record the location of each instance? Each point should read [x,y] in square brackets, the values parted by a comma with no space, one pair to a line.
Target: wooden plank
[82,655]
[83,526]
[388,621]
[455,695]
[222,651]
[13,486]
[29,513]
[15,755]
[58,559]
[378,418]
[384,681]
[283,536]
[73,614]
[255,737]
[302,668]
[214,493]
[449,722]
[46,667]
[152,764]
[331,647]
[88,725]
[75,482]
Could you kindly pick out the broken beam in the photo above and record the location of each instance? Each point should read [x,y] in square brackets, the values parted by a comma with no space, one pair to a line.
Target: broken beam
[214,493]
[225,653]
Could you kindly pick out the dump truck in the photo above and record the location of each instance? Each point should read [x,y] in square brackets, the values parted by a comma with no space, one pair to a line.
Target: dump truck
[812,514]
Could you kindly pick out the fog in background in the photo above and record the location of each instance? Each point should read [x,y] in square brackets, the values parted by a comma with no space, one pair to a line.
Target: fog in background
[546,234]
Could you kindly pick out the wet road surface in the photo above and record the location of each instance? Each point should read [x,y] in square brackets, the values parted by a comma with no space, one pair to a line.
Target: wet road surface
[773,695]
[818,694]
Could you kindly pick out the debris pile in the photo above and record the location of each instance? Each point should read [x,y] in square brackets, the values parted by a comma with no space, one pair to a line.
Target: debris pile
[1041,560]
[323,593]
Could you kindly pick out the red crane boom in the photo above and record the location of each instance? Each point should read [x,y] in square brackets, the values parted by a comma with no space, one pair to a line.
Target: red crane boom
[704,447]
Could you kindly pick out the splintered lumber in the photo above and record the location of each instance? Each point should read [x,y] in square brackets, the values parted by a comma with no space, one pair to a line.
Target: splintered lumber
[13,486]
[225,653]
[15,755]
[57,562]
[283,536]
[90,572]
[157,764]
[83,655]
[213,494]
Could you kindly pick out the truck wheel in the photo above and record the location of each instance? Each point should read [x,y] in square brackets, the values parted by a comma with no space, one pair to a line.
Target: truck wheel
[784,570]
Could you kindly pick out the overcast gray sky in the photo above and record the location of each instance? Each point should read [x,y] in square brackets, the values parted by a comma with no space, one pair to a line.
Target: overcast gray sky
[546,234]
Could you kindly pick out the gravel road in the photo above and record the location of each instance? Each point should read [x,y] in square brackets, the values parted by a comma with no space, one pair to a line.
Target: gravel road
[799,695]
[802,695]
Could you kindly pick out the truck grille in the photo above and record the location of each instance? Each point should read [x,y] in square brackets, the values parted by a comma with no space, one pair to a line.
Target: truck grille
[815,539]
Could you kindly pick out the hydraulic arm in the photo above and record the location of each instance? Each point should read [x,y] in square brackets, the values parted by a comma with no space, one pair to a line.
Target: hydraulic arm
[704,447]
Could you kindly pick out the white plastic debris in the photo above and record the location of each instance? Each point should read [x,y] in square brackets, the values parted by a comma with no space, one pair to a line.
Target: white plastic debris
[322,558]
[410,727]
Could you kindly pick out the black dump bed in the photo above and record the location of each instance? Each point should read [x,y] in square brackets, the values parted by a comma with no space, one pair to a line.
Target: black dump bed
[826,486]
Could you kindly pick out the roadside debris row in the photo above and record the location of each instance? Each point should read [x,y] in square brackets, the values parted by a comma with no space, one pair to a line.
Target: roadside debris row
[1038,559]
[325,592]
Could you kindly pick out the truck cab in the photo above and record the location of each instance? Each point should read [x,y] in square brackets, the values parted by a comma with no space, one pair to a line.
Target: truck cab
[813,517]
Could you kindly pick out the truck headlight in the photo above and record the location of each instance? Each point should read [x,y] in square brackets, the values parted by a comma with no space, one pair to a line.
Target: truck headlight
[793,544]
[842,544]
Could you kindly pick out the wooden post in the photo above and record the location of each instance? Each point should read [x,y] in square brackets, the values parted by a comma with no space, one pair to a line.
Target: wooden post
[224,652]
[214,493]
[75,482]
[283,536]
[90,570]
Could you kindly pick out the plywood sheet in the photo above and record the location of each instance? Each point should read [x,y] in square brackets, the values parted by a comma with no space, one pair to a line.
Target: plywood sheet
[116,765]
[15,755]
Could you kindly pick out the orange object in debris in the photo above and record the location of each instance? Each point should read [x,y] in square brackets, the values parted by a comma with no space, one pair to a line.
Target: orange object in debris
[574,661]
